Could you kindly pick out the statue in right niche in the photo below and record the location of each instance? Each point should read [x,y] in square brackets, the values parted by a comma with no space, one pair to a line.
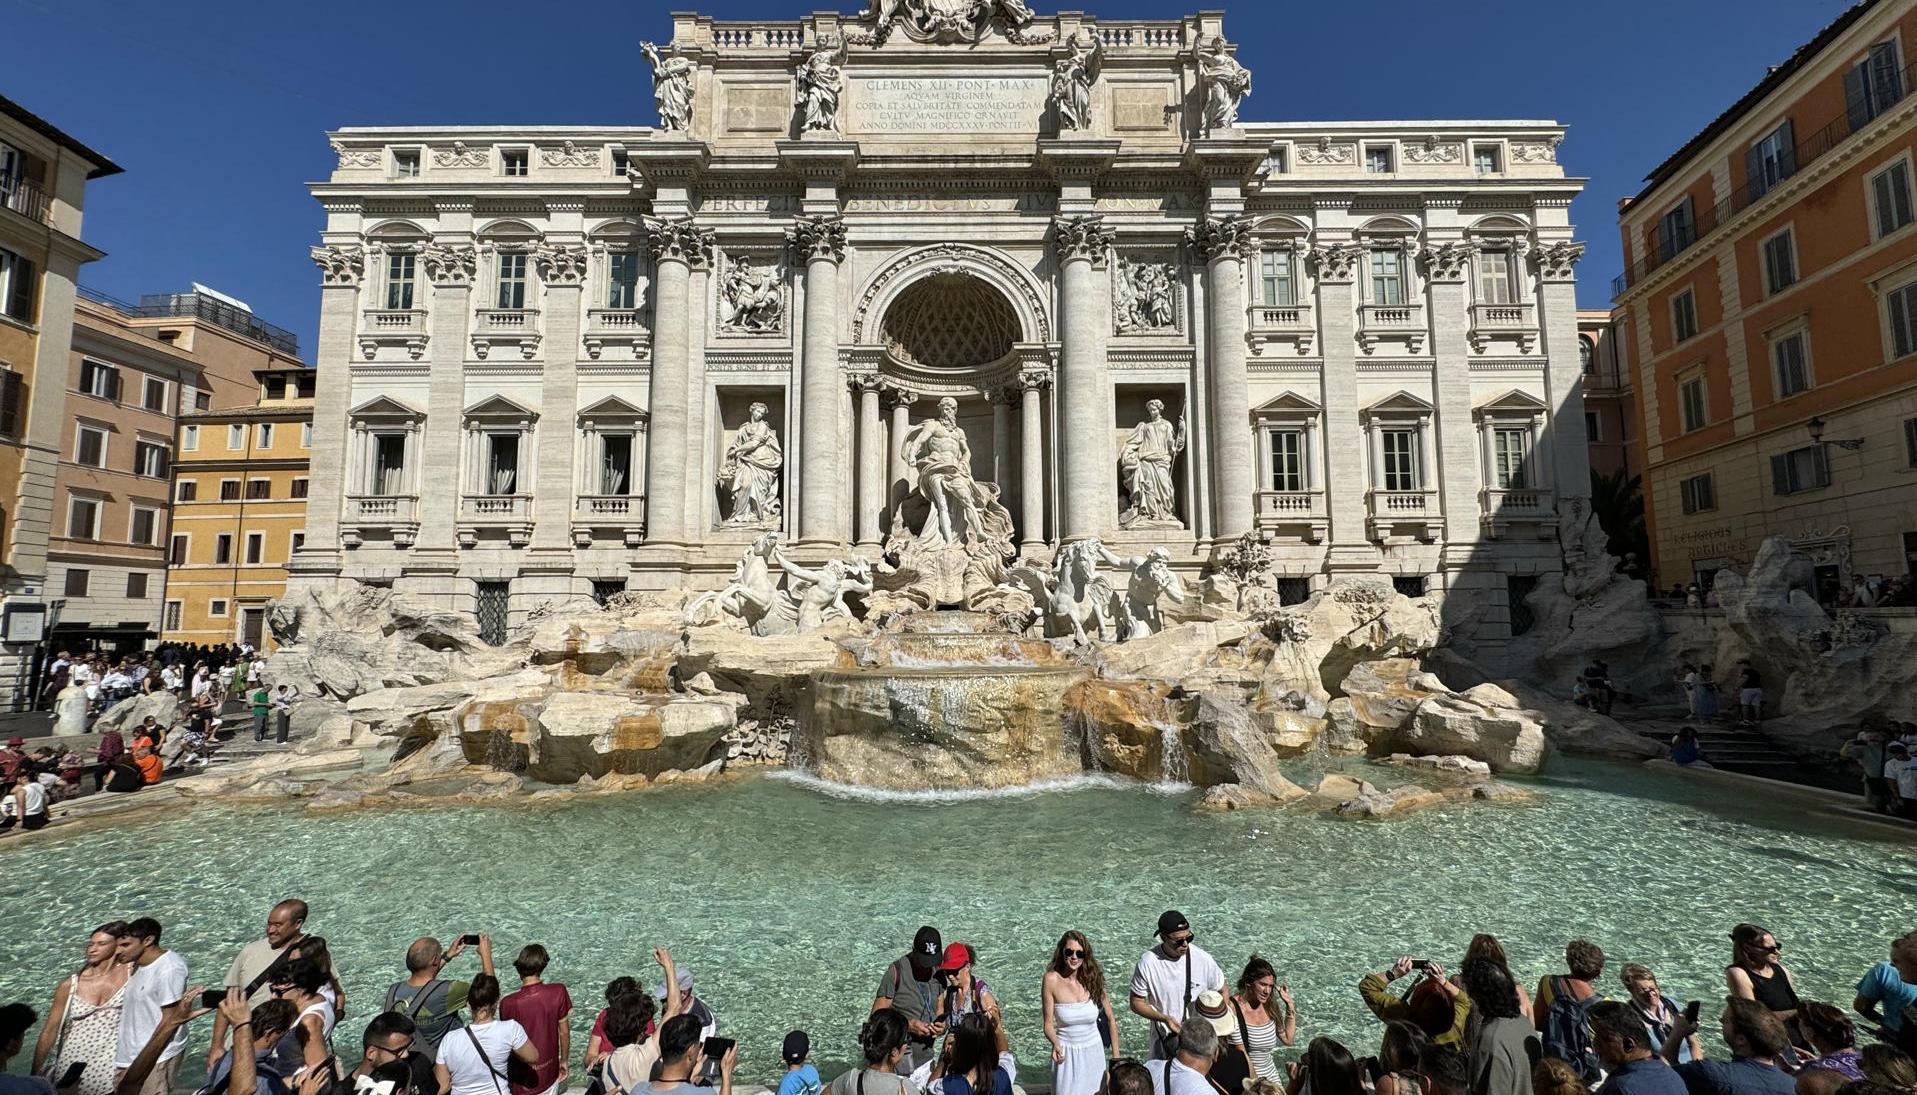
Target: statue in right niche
[1147,466]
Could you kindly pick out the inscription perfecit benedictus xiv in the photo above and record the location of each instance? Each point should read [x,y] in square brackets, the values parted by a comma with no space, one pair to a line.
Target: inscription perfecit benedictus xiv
[946,104]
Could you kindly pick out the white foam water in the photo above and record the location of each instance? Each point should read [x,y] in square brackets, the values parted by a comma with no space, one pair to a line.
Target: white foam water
[941,796]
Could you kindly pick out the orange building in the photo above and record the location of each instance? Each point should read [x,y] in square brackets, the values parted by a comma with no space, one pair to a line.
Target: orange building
[1768,315]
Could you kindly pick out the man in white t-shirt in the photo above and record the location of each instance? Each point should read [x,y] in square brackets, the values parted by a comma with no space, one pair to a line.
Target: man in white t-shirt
[1169,977]
[159,979]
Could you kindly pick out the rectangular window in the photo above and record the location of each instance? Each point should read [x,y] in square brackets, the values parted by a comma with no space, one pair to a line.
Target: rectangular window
[89,446]
[1517,595]
[229,490]
[1770,161]
[299,489]
[1800,469]
[235,437]
[153,394]
[622,280]
[1793,368]
[19,286]
[399,280]
[1377,159]
[259,488]
[1903,319]
[299,541]
[1288,460]
[1780,262]
[186,490]
[264,437]
[1872,85]
[1683,316]
[389,463]
[1910,442]
[223,548]
[1494,278]
[405,163]
[306,435]
[101,381]
[136,585]
[149,459]
[1509,448]
[144,525]
[1485,159]
[1387,275]
[1274,163]
[176,553]
[1676,230]
[255,548]
[1400,459]
[513,162]
[512,280]
[274,387]
[1277,287]
[1691,409]
[171,620]
[1591,426]
[189,439]
[83,518]
[13,401]
[76,583]
[216,607]
[202,400]
[1699,493]
[621,160]
[1890,198]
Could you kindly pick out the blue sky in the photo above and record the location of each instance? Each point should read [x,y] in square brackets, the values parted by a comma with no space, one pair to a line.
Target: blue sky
[218,109]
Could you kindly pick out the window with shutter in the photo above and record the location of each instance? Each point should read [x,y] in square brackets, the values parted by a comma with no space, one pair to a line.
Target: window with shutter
[1872,85]
[1890,198]
[1780,262]
[18,286]
[1910,442]
[1793,369]
[1902,303]
[1770,161]
[13,403]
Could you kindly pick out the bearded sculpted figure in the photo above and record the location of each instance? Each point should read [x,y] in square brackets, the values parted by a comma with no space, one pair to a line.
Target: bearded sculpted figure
[963,509]
[1226,84]
[671,87]
[1152,579]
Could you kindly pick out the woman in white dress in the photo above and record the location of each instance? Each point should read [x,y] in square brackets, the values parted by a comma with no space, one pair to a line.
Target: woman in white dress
[83,1025]
[1074,1004]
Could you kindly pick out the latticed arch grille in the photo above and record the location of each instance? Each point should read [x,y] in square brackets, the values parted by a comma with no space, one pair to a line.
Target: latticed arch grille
[950,321]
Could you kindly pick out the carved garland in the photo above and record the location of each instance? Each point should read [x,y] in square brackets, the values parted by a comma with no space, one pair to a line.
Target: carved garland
[459,156]
[356,158]
[957,258]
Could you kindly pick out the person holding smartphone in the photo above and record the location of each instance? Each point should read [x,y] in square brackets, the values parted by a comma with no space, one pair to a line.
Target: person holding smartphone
[682,1056]
[433,1003]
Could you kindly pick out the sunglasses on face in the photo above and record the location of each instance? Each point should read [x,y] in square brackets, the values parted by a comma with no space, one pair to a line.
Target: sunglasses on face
[1180,940]
[1074,953]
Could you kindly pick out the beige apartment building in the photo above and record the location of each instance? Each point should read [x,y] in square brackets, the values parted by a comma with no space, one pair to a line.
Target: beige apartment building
[135,370]
[1610,409]
[239,511]
[43,180]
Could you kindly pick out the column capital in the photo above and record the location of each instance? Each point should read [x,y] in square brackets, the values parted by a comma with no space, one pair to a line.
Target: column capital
[896,394]
[865,382]
[560,265]
[1218,238]
[1449,262]
[1033,380]
[1337,263]
[1556,260]
[1081,237]
[449,265]
[818,237]
[679,240]
[341,266]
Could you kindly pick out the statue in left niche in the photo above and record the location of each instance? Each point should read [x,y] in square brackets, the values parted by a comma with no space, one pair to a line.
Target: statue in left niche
[750,471]
[671,87]
[820,78]
[750,300]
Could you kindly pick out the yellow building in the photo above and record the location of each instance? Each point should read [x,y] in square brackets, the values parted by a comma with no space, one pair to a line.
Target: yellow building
[239,511]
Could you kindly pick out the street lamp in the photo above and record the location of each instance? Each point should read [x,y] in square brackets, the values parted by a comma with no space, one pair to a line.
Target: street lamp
[1816,429]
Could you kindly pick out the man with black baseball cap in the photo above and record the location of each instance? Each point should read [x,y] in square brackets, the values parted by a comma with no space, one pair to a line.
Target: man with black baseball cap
[1168,978]
[910,986]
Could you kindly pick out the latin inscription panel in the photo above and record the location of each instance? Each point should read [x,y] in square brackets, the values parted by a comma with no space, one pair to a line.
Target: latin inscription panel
[945,104]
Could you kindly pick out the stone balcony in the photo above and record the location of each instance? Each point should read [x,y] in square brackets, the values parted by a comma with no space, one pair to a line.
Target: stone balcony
[395,514]
[511,512]
[1293,513]
[1294,323]
[606,515]
[1501,511]
[1512,322]
[615,327]
[1392,322]
[393,327]
[506,327]
[1404,513]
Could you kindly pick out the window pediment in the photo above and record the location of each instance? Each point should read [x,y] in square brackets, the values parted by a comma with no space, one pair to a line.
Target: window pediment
[1515,403]
[1287,407]
[615,412]
[1400,404]
[499,407]
[385,407]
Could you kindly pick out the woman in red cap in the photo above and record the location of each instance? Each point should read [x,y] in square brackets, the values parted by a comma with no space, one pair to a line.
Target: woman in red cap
[964,993]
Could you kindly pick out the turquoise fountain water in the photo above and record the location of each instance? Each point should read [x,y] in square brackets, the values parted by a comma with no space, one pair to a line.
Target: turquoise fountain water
[788,901]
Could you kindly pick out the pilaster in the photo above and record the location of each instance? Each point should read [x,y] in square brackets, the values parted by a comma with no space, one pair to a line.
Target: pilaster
[562,270]
[1335,269]
[1447,258]
[451,265]
[1564,379]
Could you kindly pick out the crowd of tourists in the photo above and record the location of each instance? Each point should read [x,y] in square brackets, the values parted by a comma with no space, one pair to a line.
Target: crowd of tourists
[1884,749]
[119,1026]
[194,673]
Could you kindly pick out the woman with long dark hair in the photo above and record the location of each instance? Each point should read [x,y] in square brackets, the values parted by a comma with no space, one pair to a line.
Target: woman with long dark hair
[1074,1002]
[1261,1027]
[1755,973]
[882,1045]
[1328,1069]
[472,1058]
[1503,1047]
[976,1060]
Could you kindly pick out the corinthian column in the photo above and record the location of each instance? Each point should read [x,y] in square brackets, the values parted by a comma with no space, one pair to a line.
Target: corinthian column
[820,243]
[872,493]
[1090,494]
[677,247]
[1031,461]
[1223,243]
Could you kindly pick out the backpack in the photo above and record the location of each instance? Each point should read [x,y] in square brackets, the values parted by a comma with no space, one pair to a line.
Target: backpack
[1567,1030]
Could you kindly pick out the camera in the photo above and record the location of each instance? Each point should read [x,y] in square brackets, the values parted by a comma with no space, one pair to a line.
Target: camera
[1690,1011]
[471,939]
[212,998]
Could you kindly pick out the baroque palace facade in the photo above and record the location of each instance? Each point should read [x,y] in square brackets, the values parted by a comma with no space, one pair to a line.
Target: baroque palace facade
[560,361]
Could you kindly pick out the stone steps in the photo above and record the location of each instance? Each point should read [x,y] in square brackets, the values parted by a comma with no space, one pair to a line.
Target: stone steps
[1727,745]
